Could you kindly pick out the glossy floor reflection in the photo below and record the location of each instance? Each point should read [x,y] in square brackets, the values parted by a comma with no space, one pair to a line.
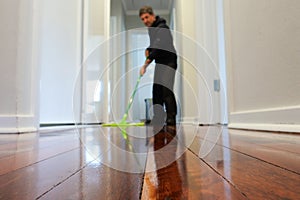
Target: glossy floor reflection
[186,162]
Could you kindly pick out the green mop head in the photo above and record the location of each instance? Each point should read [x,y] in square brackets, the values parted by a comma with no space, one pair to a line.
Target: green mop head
[123,124]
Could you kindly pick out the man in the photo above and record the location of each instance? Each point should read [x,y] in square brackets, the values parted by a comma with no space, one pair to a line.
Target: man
[161,50]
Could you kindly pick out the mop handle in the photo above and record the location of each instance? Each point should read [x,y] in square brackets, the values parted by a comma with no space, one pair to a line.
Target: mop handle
[131,99]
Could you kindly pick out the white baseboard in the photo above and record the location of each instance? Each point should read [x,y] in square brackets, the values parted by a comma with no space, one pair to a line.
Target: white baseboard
[188,120]
[283,119]
[17,124]
[17,130]
[267,127]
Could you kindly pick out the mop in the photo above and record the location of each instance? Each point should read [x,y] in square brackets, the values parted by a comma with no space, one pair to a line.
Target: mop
[123,122]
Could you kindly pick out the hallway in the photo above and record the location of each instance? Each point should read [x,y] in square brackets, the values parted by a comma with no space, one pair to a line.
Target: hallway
[68,164]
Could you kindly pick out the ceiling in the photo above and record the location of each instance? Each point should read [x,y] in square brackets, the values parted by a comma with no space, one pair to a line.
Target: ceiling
[160,7]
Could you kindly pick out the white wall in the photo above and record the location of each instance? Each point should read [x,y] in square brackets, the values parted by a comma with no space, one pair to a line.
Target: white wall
[117,64]
[187,95]
[199,47]
[59,58]
[263,45]
[73,59]
[95,69]
[18,77]
[42,42]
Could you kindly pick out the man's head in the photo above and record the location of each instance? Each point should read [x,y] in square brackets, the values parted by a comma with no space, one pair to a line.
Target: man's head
[147,15]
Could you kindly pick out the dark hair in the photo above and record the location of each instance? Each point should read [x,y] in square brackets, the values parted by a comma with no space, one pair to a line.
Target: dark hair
[146,9]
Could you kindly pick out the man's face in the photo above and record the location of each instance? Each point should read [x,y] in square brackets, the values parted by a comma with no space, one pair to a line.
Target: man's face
[147,19]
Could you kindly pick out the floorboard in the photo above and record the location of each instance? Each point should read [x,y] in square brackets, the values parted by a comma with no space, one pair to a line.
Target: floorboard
[188,162]
[252,169]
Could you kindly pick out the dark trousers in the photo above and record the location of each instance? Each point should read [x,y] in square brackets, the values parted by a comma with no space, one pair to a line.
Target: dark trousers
[162,93]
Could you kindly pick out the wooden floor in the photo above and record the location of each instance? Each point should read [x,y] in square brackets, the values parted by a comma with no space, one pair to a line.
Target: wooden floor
[190,162]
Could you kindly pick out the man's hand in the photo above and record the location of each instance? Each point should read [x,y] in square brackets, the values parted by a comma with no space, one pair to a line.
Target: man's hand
[146,53]
[144,67]
[143,70]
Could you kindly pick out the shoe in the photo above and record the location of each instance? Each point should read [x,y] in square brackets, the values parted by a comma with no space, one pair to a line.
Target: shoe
[172,130]
[171,119]
[171,122]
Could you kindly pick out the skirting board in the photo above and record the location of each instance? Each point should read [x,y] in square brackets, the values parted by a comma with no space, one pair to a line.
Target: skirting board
[17,124]
[284,119]
[188,120]
[267,127]
[17,130]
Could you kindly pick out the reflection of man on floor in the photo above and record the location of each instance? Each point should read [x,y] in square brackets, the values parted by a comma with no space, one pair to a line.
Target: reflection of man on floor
[166,182]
